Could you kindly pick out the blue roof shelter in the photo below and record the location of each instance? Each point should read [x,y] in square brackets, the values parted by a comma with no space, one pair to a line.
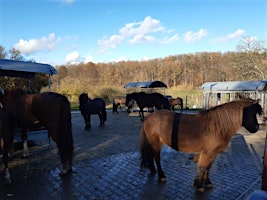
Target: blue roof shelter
[14,68]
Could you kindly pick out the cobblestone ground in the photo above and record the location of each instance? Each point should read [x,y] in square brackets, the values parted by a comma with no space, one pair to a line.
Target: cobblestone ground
[106,166]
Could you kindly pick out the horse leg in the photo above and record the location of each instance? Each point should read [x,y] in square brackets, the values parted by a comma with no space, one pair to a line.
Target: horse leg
[7,176]
[6,148]
[114,108]
[141,114]
[207,181]
[86,120]
[204,164]
[88,123]
[156,146]
[162,177]
[64,150]
[24,139]
[101,121]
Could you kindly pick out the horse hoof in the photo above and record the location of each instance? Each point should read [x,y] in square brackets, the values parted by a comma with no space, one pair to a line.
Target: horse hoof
[65,171]
[25,155]
[209,186]
[208,183]
[201,189]
[162,180]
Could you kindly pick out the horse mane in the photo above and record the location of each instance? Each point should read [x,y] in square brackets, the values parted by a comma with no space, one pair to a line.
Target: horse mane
[223,119]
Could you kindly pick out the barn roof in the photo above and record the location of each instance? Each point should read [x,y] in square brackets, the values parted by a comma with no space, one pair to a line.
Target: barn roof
[151,84]
[235,86]
[24,69]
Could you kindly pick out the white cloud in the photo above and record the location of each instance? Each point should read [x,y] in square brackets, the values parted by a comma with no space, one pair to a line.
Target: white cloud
[88,58]
[148,25]
[73,57]
[111,42]
[169,40]
[238,33]
[142,39]
[191,36]
[34,45]
[135,32]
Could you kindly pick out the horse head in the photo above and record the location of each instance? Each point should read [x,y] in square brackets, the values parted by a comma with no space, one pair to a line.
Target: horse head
[250,113]
[83,99]
[129,101]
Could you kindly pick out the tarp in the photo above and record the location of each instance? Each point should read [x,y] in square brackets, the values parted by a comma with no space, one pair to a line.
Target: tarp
[235,86]
[24,69]
[151,84]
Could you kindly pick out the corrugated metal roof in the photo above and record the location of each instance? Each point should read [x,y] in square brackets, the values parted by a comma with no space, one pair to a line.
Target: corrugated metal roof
[24,69]
[235,85]
[152,84]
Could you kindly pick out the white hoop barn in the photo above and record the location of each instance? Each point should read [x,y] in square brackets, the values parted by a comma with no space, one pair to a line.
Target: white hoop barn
[215,93]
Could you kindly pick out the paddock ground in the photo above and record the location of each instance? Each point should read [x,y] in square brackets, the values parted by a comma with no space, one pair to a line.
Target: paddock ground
[106,167]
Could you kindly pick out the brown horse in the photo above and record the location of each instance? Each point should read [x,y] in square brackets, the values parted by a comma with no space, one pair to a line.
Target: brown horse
[48,109]
[117,102]
[207,133]
[176,101]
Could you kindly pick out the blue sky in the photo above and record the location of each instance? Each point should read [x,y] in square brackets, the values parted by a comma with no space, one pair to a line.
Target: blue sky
[68,31]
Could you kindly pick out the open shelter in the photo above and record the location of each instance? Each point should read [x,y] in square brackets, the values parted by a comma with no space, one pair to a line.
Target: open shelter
[149,87]
[14,68]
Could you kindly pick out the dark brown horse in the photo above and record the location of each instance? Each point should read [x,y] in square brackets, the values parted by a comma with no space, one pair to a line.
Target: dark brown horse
[118,101]
[89,107]
[208,133]
[146,100]
[48,109]
[176,101]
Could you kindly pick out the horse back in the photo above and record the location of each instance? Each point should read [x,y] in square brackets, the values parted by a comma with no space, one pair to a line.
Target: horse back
[100,103]
[159,128]
[49,107]
[18,107]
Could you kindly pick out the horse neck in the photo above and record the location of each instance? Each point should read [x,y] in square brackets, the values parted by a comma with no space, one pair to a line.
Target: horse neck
[224,123]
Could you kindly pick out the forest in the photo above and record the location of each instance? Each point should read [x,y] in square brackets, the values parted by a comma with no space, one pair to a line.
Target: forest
[106,80]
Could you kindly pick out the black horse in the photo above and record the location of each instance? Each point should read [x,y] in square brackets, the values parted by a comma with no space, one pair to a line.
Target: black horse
[92,106]
[146,100]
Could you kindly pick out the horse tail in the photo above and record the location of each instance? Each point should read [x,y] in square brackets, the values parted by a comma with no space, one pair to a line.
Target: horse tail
[65,127]
[147,152]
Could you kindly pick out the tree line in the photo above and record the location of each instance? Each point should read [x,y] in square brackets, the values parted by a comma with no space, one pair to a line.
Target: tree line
[106,80]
